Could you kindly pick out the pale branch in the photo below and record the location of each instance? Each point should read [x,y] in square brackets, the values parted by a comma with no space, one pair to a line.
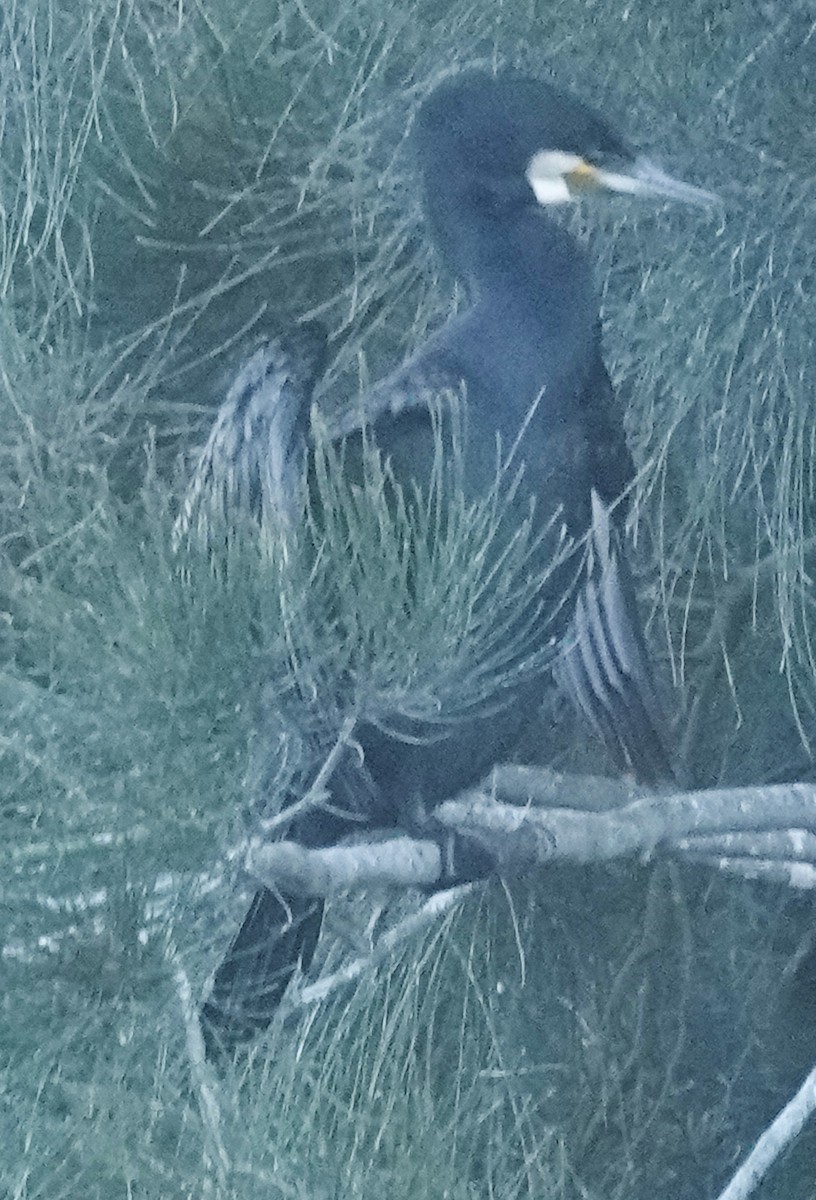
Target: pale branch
[787,856]
[783,1130]
[572,828]
[518,784]
[799,875]
[668,815]
[298,871]
[790,845]
[762,831]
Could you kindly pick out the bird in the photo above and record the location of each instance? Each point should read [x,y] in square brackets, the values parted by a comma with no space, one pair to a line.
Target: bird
[497,154]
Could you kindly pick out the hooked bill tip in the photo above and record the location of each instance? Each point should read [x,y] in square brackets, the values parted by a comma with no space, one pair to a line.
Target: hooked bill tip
[649,180]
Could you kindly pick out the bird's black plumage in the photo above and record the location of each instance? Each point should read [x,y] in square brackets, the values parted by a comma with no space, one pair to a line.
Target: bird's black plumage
[527,355]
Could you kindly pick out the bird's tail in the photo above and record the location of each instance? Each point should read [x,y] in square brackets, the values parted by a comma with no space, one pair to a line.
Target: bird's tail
[279,933]
[278,936]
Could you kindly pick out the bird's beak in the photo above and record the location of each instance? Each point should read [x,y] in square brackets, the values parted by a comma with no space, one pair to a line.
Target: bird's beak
[643,178]
[557,177]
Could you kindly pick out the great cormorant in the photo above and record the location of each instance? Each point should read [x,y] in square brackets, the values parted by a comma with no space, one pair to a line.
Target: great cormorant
[495,153]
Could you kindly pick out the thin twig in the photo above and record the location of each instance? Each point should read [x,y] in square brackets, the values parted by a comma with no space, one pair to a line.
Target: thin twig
[317,792]
[201,1073]
[436,906]
[780,1133]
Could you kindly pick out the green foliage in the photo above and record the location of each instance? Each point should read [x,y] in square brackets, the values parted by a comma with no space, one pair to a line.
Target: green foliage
[175,179]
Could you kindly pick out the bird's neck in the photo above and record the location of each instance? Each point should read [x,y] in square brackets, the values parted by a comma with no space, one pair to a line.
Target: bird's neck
[522,261]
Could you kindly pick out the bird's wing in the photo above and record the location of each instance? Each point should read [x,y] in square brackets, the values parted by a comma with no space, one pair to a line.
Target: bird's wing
[612,467]
[605,666]
[416,385]
[253,460]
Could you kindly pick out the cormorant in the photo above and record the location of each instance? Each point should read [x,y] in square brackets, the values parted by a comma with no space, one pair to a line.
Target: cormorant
[495,153]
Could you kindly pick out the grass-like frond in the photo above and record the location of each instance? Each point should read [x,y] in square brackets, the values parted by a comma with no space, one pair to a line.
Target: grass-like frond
[175,180]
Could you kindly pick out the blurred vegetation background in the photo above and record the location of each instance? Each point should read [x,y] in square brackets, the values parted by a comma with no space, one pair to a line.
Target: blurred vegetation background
[178,180]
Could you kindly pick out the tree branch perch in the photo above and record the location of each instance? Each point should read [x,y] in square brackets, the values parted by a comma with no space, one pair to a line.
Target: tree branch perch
[529,817]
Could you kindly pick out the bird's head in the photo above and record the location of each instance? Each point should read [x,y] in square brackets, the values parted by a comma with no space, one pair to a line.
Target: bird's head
[510,139]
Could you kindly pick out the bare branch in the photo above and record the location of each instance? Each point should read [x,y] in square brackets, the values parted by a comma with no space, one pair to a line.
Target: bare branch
[520,836]
[297,871]
[761,831]
[779,1134]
